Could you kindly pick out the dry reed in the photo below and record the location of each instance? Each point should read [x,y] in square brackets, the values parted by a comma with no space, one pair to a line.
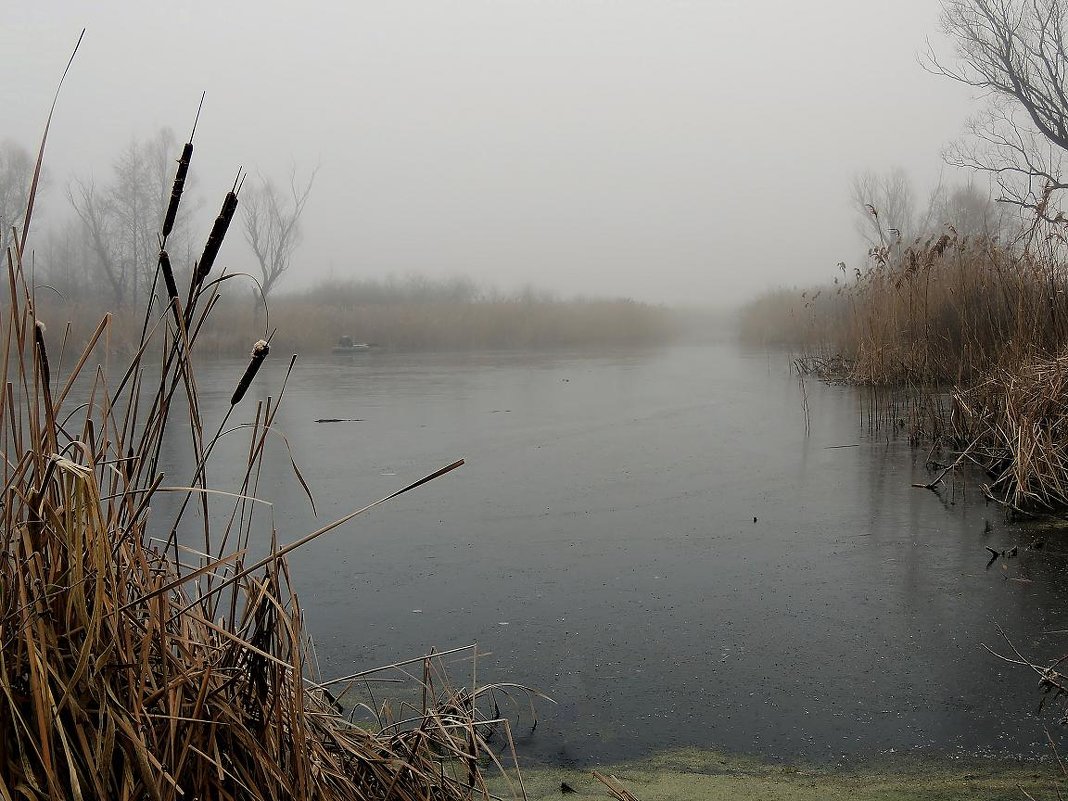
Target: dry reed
[1014,424]
[133,665]
[977,320]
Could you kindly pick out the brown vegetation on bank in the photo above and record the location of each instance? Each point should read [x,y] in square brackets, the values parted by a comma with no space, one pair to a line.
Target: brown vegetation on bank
[943,311]
[150,657]
[981,319]
[311,323]
[977,308]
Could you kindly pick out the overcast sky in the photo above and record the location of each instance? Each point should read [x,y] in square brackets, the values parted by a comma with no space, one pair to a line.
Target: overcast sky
[670,151]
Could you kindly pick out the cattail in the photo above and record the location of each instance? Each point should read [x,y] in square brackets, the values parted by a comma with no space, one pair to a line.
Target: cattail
[42,353]
[259,353]
[46,382]
[179,176]
[215,238]
[172,287]
[168,275]
[176,190]
[127,464]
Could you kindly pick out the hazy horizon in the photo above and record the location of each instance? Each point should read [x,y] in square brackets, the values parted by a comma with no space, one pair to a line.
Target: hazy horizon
[670,152]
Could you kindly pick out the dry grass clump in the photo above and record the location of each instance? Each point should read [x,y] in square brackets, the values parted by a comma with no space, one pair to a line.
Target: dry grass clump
[982,320]
[939,312]
[143,657]
[948,310]
[1015,425]
[985,323]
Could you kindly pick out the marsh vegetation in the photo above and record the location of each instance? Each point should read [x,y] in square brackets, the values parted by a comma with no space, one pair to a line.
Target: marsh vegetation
[962,310]
[154,642]
[136,664]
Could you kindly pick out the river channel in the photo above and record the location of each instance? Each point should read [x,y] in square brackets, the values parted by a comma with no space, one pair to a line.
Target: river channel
[657,541]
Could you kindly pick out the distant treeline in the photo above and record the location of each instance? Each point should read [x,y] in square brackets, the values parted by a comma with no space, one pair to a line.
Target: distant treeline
[98,249]
[415,313]
[455,313]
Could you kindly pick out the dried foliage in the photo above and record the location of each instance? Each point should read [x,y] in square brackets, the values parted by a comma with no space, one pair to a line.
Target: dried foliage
[947,310]
[133,665]
[1015,425]
[979,320]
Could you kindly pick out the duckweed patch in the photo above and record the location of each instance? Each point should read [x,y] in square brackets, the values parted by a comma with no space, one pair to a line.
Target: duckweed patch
[711,776]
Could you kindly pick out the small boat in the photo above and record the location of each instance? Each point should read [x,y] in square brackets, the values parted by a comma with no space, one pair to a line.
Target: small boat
[346,345]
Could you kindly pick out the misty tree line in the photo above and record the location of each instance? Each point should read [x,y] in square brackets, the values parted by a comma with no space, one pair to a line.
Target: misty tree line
[889,211]
[415,290]
[101,235]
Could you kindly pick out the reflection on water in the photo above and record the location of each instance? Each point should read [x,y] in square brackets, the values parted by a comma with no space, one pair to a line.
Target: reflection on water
[654,541]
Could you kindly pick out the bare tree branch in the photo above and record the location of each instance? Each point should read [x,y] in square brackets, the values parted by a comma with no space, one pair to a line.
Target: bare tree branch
[272,225]
[1016,52]
[121,218]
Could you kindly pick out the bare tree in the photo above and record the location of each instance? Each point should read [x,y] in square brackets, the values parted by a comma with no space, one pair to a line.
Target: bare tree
[970,211]
[94,210]
[1016,51]
[66,263]
[272,225]
[121,219]
[16,174]
[885,206]
[890,220]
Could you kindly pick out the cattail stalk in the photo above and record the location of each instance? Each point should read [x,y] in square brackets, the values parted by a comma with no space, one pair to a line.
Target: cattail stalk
[46,385]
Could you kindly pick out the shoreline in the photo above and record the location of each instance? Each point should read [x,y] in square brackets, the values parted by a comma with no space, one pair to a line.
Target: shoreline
[693,774]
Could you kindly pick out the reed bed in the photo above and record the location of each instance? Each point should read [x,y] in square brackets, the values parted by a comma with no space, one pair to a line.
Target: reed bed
[980,322]
[941,311]
[144,656]
[314,326]
[1014,424]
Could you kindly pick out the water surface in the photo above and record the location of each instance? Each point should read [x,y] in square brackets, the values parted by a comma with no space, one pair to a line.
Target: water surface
[655,540]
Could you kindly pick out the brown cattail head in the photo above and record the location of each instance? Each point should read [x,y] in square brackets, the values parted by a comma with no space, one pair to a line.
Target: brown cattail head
[215,238]
[168,275]
[42,353]
[259,353]
[176,190]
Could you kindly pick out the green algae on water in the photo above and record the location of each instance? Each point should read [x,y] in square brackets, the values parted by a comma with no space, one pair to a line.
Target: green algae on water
[694,775]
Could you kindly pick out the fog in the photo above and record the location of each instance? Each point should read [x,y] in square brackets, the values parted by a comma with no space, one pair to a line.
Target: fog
[675,152]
